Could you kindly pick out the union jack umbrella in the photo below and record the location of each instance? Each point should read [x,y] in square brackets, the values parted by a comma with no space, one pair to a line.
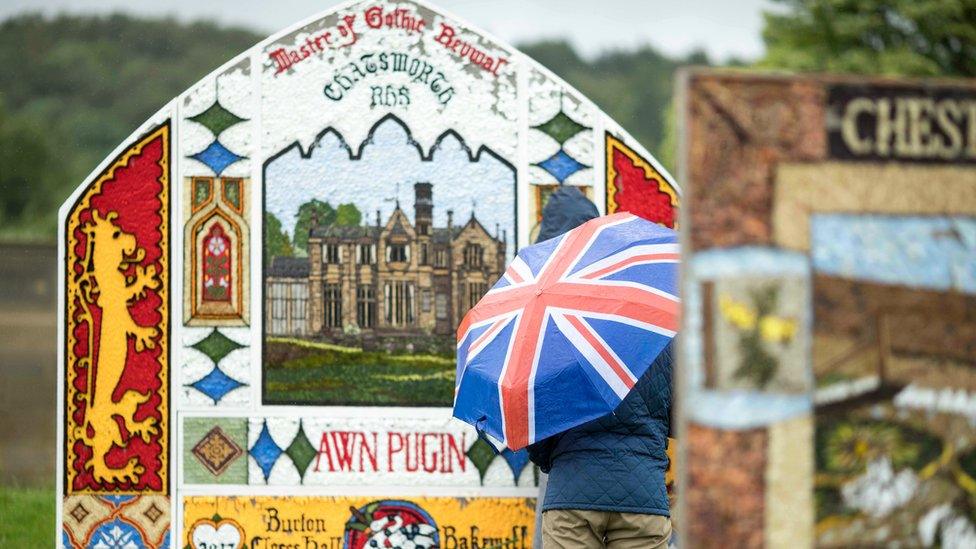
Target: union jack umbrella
[565,334]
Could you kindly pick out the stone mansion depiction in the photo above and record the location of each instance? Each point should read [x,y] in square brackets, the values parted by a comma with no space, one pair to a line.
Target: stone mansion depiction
[397,278]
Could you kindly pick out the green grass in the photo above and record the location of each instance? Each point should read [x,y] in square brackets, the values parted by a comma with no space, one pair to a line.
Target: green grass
[302,372]
[26,517]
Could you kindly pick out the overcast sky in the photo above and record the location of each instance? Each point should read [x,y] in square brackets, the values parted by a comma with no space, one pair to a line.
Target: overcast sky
[723,28]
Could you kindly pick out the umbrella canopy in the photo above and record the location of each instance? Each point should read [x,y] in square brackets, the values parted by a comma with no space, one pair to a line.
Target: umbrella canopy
[565,334]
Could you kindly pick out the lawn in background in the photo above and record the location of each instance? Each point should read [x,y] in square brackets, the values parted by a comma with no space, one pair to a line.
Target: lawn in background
[302,372]
[26,517]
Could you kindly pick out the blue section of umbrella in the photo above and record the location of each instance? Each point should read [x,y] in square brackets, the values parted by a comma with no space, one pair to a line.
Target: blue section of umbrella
[602,305]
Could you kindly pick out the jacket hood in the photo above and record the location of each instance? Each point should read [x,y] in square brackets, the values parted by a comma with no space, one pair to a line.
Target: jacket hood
[566,209]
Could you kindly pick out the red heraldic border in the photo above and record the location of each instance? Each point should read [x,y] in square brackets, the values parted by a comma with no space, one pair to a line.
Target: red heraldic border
[634,185]
[117,325]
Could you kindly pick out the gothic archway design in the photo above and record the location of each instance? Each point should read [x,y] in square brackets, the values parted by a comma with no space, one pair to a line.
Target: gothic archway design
[215,250]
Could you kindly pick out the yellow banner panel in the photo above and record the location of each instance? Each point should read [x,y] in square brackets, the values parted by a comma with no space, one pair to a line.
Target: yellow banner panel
[289,522]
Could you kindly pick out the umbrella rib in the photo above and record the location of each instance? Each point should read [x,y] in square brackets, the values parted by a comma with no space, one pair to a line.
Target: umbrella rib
[518,272]
[516,393]
[646,259]
[492,305]
[625,254]
[484,339]
[637,304]
[579,241]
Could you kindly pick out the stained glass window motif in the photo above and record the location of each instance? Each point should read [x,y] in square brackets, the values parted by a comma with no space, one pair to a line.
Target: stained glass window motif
[216,265]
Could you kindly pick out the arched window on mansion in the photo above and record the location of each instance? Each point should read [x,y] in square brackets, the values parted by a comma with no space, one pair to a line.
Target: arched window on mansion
[397,252]
[473,255]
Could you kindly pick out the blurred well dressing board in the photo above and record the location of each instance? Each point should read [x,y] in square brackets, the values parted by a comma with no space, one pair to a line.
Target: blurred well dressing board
[260,288]
[830,310]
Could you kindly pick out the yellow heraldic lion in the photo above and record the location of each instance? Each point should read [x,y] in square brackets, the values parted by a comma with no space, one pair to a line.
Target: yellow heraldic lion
[110,253]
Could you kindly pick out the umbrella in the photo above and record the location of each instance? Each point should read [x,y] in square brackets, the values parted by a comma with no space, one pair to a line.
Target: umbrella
[566,332]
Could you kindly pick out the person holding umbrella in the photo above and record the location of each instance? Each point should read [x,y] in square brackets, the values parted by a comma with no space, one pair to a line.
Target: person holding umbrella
[570,355]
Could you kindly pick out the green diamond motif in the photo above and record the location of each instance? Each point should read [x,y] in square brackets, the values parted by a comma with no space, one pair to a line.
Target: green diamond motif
[216,346]
[217,119]
[301,451]
[561,127]
[481,454]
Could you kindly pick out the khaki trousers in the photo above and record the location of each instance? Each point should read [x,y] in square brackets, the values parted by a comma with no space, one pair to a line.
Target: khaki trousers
[572,529]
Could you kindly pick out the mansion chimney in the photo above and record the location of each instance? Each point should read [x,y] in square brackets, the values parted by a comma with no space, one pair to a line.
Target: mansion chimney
[378,218]
[423,208]
[450,223]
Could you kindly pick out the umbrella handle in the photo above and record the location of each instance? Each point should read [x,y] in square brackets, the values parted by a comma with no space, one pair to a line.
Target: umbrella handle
[479,426]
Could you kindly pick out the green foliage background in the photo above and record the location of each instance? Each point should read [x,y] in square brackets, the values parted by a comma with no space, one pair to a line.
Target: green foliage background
[895,37]
[73,87]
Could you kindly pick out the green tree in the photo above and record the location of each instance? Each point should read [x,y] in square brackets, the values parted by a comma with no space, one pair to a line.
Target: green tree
[30,173]
[634,87]
[276,241]
[80,84]
[348,215]
[312,213]
[898,37]
[668,150]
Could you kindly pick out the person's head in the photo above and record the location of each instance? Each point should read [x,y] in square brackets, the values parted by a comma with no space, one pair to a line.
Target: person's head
[566,209]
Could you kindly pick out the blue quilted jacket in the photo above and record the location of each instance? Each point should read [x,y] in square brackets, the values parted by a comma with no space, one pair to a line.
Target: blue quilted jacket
[617,462]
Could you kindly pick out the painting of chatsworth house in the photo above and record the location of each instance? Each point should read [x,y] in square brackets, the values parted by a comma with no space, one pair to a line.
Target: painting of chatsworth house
[387,278]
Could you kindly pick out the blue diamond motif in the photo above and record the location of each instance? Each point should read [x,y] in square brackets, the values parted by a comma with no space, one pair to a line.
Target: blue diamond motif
[265,451]
[561,165]
[216,384]
[217,157]
[516,461]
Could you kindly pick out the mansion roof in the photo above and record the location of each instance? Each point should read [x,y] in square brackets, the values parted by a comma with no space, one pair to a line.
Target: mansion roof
[345,231]
[289,267]
[442,236]
[439,235]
